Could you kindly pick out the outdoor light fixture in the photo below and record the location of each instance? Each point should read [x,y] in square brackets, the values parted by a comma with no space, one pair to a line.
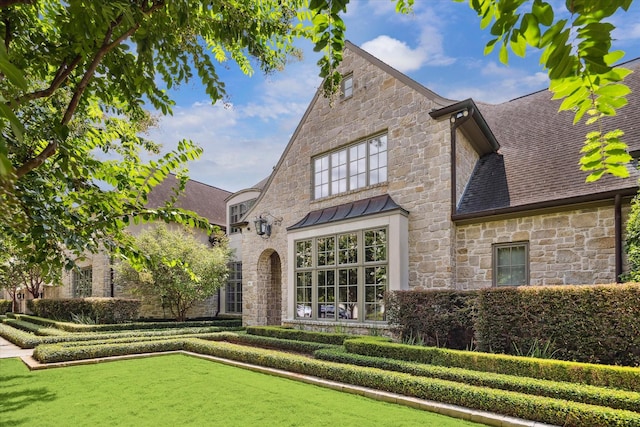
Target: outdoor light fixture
[263,228]
[264,223]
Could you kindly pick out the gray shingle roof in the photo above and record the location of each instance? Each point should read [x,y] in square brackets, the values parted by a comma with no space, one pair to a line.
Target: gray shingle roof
[539,152]
[203,199]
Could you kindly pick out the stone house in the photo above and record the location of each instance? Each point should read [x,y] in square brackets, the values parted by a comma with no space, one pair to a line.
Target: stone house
[95,276]
[393,187]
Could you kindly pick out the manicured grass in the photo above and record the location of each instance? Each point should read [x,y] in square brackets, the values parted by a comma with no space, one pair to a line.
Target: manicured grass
[179,390]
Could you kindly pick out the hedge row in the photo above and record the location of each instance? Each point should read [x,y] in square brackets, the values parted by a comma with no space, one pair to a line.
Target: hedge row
[5,306]
[593,324]
[596,324]
[542,409]
[296,334]
[75,327]
[304,347]
[433,318]
[613,398]
[227,323]
[103,310]
[28,340]
[625,378]
[32,327]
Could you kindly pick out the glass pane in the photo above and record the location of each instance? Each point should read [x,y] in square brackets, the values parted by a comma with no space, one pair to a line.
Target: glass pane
[518,255]
[348,248]
[504,256]
[518,276]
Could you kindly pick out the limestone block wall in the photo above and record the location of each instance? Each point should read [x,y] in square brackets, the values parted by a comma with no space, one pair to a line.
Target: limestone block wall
[571,247]
[418,177]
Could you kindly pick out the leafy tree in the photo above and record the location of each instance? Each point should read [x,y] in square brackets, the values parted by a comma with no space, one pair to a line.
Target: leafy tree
[181,272]
[76,76]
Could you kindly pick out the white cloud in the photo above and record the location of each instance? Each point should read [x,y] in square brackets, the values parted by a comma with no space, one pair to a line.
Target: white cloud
[395,53]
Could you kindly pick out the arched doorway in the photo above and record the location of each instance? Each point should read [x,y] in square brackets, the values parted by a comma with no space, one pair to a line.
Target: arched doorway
[270,288]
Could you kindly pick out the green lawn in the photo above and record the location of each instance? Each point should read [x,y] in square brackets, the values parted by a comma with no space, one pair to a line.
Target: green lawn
[179,390]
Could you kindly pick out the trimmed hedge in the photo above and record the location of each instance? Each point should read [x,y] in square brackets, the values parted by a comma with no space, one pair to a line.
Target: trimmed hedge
[33,327]
[5,306]
[304,347]
[542,409]
[28,340]
[626,378]
[613,398]
[594,324]
[103,310]
[590,323]
[227,324]
[433,318]
[296,334]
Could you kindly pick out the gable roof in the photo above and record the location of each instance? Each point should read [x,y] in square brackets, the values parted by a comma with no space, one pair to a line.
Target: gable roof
[437,99]
[537,164]
[205,200]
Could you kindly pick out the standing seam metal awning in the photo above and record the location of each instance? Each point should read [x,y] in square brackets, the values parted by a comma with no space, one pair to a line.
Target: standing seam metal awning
[357,209]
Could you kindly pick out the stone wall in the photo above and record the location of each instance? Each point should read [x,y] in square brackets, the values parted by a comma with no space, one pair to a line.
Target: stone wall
[570,247]
[418,177]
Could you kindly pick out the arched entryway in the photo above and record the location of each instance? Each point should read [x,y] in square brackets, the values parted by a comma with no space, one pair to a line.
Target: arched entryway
[270,288]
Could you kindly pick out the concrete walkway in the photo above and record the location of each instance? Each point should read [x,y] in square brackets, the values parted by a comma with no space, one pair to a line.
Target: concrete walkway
[8,350]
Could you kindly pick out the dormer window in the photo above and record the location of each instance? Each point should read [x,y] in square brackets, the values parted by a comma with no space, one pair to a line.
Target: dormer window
[346,87]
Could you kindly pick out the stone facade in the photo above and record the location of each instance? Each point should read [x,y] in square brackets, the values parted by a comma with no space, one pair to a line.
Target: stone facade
[565,248]
[431,245]
[418,165]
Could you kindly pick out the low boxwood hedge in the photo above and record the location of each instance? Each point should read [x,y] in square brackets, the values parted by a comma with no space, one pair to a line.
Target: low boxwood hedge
[296,334]
[620,399]
[626,378]
[32,327]
[29,340]
[226,323]
[304,347]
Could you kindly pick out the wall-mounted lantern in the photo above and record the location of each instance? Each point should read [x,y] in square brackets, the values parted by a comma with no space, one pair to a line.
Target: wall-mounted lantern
[263,228]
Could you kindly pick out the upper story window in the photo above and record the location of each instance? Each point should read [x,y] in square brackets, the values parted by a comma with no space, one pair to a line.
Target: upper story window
[346,86]
[236,212]
[356,166]
[511,264]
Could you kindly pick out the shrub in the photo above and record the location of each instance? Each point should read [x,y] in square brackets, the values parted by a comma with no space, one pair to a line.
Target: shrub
[626,378]
[296,346]
[595,324]
[613,398]
[295,334]
[5,306]
[103,310]
[433,318]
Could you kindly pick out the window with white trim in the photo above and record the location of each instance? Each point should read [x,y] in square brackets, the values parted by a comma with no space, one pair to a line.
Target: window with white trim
[346,86]
[511,264]
[356,166]
[81,282]
[233,292]
[236,212]
[342,276]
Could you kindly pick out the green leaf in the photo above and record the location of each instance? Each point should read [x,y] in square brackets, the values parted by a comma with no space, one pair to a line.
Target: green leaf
[543,12]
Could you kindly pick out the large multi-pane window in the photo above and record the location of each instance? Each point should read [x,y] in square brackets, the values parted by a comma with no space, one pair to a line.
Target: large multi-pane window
[342,276]
[356,166]
[233,294]
[237,211]
[81,282]
[511,264]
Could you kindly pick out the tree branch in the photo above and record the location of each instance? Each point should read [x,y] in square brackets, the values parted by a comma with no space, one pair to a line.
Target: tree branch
[61,75]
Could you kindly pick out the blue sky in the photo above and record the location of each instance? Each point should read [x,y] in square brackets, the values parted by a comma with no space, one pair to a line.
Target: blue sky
[440,45]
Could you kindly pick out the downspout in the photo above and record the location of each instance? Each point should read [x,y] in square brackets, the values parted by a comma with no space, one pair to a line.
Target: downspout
[457,119]
[618,237]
